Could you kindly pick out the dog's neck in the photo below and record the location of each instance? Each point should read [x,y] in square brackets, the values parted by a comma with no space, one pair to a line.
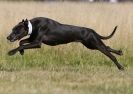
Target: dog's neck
[29,28]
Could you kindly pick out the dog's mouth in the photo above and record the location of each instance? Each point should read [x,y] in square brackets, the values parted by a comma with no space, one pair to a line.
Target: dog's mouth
[14,39]
[18,38]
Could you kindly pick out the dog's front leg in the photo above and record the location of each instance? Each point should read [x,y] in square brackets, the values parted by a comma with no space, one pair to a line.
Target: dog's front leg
[35,44]
[27,46]
[12,52]
[22,42]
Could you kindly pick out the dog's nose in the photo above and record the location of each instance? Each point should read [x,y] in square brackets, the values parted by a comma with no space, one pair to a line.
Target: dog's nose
[8,38]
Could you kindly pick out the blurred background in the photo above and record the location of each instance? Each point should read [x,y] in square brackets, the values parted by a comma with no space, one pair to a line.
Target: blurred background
[69,68]
[111,1]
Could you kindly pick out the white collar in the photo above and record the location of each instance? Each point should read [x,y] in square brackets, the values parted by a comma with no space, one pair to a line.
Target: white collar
[29,28]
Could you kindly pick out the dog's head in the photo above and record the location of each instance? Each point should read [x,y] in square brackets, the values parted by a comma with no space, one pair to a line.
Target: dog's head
[19,31]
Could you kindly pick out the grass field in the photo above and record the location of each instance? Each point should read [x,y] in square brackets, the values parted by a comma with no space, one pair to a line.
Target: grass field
[70,68]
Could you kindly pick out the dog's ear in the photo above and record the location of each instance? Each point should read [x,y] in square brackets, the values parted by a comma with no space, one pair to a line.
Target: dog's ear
[26,19]
[22,20]
[26,23]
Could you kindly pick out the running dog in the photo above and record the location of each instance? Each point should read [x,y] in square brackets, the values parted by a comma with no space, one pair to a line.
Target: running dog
[44,30]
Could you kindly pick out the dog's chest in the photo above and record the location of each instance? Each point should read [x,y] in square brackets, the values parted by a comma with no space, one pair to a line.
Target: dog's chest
[55,40]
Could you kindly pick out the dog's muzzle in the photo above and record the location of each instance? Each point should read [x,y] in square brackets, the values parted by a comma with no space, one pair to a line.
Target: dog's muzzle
[11,38]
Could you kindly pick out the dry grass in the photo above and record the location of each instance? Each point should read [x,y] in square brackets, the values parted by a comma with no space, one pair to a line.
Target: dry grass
[67,68]
[92,80]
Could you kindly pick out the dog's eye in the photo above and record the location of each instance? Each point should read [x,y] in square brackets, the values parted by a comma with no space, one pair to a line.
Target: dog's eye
[16,32]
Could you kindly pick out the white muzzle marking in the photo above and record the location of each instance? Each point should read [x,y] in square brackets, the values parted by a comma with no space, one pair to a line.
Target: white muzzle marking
[29,28]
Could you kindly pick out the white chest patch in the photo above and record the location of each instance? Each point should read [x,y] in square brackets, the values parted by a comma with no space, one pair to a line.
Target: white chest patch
[29,28]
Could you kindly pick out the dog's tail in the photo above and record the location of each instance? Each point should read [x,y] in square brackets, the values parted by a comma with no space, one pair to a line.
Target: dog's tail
[108,37]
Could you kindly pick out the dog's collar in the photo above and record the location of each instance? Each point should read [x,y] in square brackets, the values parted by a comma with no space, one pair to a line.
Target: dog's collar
[29,28]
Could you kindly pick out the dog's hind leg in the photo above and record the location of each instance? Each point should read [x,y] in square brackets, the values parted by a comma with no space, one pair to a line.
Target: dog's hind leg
[95,43]
[113,58]
[118,52]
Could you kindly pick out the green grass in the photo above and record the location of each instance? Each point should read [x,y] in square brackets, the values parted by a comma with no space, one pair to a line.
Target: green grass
[72,55]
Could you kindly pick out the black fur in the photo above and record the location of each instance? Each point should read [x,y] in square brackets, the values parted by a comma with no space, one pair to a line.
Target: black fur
[53,33]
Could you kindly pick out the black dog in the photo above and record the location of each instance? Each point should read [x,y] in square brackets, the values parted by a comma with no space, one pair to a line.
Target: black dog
[47,31]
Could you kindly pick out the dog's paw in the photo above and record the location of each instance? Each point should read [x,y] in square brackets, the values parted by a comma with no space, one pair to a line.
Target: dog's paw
[121,68]
[12,52]
[21,52]
[120,52]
